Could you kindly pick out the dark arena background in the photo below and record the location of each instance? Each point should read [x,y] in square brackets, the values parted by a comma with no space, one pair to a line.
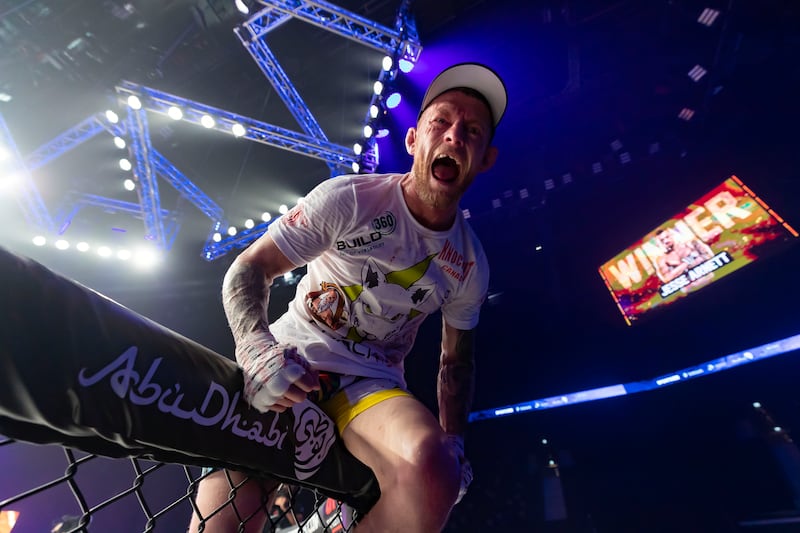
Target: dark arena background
[621,114]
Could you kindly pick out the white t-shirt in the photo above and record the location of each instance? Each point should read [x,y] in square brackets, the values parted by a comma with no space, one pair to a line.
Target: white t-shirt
[374,274]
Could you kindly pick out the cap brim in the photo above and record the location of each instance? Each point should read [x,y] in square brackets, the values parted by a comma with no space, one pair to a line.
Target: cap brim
[473,76]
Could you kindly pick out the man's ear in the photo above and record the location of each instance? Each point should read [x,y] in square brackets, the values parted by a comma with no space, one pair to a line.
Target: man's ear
[411,140]
[489,157]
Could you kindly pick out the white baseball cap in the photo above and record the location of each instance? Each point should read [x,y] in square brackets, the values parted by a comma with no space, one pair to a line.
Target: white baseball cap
[474,76]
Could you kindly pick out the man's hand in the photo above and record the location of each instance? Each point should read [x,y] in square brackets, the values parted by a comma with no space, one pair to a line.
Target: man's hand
[456,443]
[275,375]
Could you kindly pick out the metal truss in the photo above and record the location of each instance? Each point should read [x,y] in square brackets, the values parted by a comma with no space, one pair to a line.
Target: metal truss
[161,225]
[30,201]
[145,174]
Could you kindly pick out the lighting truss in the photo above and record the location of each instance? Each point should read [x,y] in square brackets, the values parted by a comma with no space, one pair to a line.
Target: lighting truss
[29,199]
[161,225]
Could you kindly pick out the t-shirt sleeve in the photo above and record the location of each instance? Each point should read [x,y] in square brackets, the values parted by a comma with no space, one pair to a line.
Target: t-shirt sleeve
[311,227]
[463,310]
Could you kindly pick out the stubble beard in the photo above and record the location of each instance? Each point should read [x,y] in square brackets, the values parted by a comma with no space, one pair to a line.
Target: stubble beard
[422,185]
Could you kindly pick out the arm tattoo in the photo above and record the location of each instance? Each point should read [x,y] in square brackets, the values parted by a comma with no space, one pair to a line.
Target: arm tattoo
[456,382]
[245,295]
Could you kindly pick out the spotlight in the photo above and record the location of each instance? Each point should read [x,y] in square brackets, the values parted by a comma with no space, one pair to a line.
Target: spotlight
[387,63]
[597,167]
[39,240]
[175,113]
[686,114]
[124,164]
[374,110]
[62,244]
[393,100]
[119,142]
[357,148]
[405,65]
[112,117]
[367,131]
[249,223]
[232,231]
[708,16]
[104,251]
[134,102]
[377,87]
[129,184]
[356,167]
[242,7]
[217,237]
[145,258]
[549,184]
[124,255]
[238,130]
[282,209]
[82,246]
[207,121]
[382,133]
[266,217]
[697,73]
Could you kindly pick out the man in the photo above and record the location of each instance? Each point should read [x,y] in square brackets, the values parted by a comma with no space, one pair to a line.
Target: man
[383,252]
[678,257]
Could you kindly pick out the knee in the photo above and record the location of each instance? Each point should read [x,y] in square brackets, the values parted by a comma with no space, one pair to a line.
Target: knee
[430,463]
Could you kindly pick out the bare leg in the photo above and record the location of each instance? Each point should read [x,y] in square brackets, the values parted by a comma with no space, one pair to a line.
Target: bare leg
[419,478]
[250,503]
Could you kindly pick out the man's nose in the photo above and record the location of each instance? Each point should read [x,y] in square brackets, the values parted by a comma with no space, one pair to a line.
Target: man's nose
[456,133]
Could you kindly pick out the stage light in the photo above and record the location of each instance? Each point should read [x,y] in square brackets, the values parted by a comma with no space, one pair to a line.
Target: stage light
[242,7]
[757,405]
[597,167]
[145,258]
[777,429]
[62,244]
[10,182]
[549,184]
[356,167]
[374,110]
[129,184]
[387,63]
[217,237]
[249,223]
[5,97]
[82,246]
[232,231]
[382,133]
[112,117]
[124,255]
[625,158]
[282,209]
[466,213]
[175,113]
[367,131]
[686,114]
[405,65]
[207,121]
[119,142]
[5,154]
[708,16]
[134,102]
[357,148]
[104,251]
[544,442]
[124,164]
[616,145]
[697,73]
[266,217]
[378,88]
[393,100]
[238,130]
[538,247]
[39,240]
[566,178]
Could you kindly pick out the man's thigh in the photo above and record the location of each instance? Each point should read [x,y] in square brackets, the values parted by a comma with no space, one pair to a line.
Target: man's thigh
[385,436]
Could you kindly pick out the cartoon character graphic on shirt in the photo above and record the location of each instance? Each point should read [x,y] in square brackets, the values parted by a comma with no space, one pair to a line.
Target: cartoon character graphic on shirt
[379,307]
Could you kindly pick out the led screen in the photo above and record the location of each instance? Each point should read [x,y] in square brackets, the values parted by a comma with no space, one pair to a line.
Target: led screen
[724,230]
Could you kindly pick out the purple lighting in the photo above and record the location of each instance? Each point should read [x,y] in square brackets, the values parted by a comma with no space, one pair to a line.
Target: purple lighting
[393,100]
[405,65]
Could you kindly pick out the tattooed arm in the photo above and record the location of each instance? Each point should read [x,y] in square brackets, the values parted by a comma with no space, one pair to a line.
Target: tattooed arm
[275,376]
[456,381]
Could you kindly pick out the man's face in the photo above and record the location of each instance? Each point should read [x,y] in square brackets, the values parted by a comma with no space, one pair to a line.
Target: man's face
[450,147]
[666,241]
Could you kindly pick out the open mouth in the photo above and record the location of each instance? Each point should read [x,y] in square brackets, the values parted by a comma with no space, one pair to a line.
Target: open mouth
[445,168]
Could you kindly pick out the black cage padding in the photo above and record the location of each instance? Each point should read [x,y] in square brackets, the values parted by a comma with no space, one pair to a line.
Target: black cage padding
[80,370]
